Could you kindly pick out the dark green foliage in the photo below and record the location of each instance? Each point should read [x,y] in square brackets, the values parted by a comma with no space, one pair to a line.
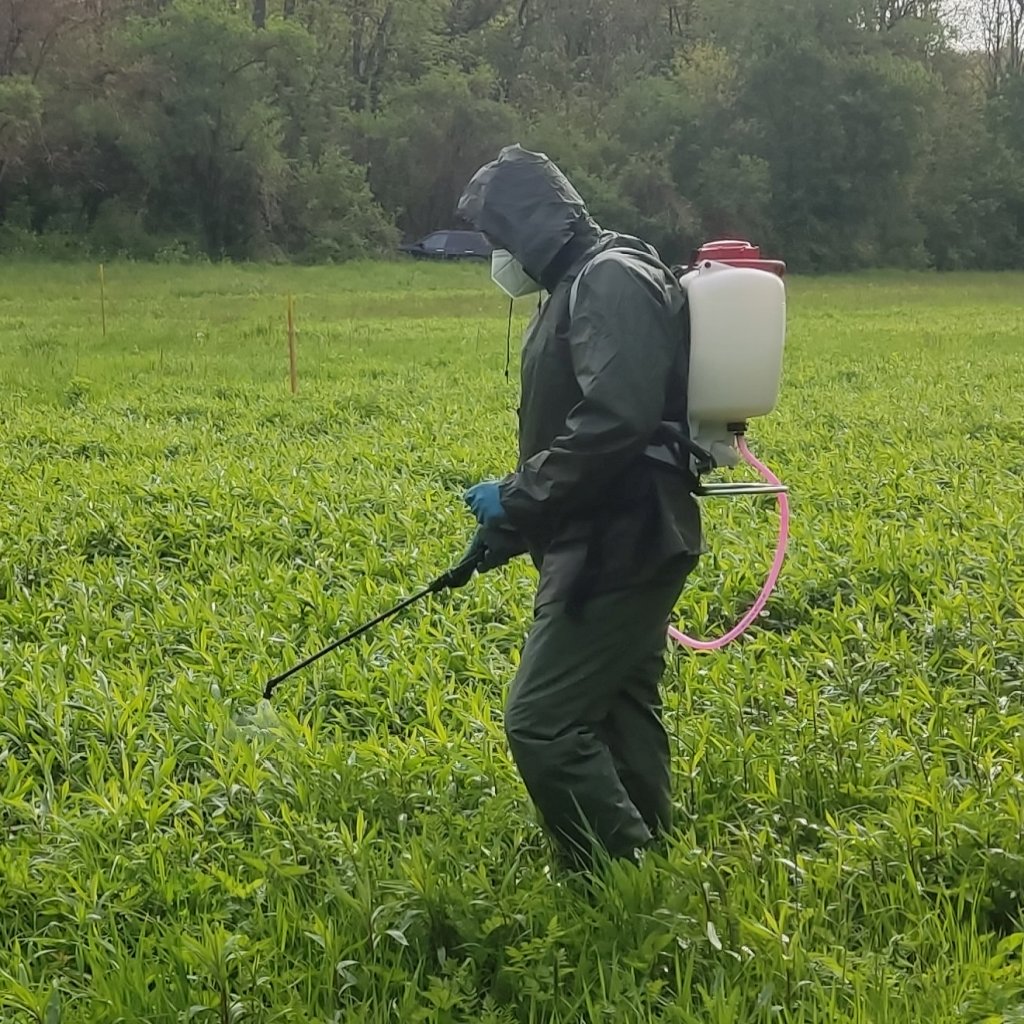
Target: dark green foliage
[841,134]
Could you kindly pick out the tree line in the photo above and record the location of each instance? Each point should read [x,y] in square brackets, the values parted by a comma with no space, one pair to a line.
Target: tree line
[837,133]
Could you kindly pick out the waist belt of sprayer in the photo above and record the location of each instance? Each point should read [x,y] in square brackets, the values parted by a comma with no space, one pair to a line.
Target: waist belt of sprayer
[684,455]
[673,447]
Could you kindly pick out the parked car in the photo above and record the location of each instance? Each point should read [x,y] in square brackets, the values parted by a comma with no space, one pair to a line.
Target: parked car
[451,245]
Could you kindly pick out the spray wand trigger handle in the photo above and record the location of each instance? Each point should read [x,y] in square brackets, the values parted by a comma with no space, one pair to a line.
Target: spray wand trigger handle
[459,575]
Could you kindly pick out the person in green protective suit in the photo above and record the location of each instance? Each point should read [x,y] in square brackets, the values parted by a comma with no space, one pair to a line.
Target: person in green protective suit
[613,530]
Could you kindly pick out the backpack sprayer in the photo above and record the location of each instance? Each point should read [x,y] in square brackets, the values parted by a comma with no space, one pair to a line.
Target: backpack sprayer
[736,304]
[737,324]
[737,310]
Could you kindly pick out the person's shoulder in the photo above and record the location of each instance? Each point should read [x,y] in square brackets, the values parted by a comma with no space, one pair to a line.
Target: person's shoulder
[623,270]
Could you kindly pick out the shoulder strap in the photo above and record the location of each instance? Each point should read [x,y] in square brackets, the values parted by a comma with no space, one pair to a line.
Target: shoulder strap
[608,253]
[574,290]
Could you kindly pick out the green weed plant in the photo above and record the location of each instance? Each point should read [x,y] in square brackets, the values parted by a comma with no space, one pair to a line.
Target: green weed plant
[176,528]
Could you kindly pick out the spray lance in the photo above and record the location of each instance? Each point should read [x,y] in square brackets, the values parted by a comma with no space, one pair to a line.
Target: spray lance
[491,546]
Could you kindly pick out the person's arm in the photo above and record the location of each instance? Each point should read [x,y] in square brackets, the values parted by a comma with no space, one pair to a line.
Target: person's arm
[623,347]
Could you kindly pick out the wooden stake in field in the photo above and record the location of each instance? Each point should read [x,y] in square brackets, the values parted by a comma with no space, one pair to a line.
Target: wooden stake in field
[291,345]
[103,300]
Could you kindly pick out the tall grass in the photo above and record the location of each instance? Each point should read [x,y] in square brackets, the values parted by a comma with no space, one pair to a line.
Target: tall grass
[175,527]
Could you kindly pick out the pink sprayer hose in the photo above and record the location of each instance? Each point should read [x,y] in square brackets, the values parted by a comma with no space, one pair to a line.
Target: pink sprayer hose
[773,576]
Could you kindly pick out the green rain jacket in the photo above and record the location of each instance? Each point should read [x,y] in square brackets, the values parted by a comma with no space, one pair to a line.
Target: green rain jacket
[594,512]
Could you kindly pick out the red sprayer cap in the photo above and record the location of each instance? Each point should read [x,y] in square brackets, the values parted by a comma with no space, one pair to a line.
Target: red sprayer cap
[736,253]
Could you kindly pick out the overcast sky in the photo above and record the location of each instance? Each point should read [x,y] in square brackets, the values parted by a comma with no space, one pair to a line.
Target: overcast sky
[967,16]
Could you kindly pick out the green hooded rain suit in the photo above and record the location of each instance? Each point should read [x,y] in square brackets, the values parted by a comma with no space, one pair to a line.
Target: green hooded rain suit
[613,533]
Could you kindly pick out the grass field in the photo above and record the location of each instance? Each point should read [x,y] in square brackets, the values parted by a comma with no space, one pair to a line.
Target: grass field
[175,527]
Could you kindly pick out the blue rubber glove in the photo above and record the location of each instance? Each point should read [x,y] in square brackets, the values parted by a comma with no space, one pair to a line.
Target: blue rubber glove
[485,504]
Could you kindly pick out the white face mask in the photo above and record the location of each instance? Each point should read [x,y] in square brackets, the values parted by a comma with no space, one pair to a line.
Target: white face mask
[508,274]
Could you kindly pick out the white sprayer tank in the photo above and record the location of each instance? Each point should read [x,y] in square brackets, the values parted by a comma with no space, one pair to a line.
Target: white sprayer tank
[737,336]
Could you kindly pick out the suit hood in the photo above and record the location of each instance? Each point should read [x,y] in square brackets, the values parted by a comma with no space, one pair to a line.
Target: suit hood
[525,204]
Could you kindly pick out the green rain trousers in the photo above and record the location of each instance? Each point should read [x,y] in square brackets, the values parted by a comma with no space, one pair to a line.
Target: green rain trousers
[584,719]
